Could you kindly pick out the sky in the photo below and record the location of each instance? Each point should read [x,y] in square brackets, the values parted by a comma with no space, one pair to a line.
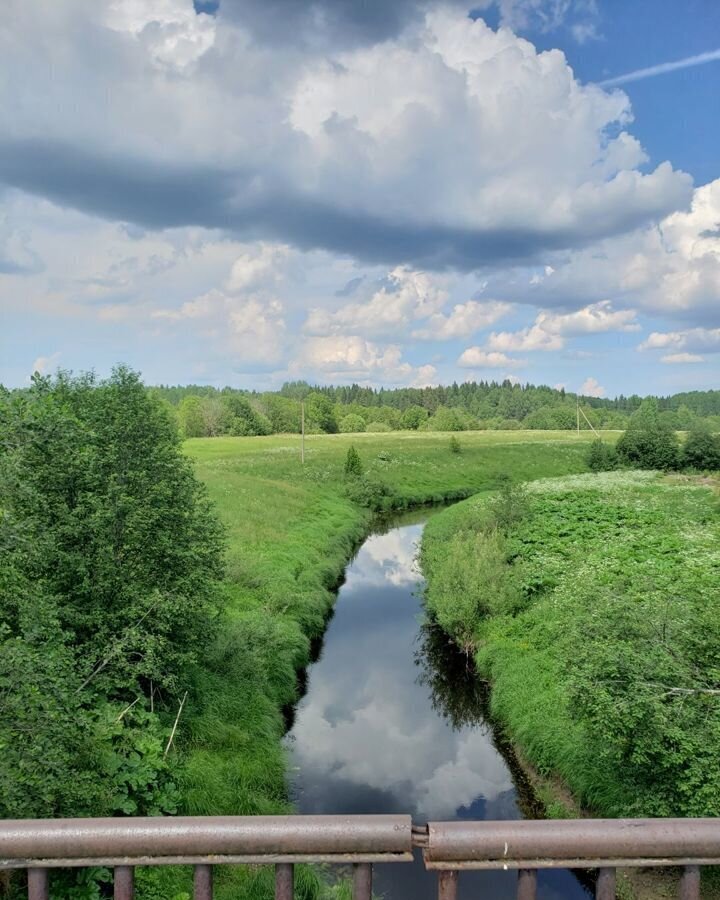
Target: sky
[246,192]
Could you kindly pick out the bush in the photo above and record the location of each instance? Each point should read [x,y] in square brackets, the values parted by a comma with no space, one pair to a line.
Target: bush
[352,424]
[648,443]
[455,445]
[378,427]
[702,450]
[601,457]
[370,492]
[353,464]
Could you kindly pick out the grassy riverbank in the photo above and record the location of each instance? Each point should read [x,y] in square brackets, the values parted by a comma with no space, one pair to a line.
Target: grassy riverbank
[593,611]
[291,530]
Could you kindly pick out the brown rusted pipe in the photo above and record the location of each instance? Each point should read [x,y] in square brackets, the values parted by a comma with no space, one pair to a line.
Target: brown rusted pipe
[203,836]
[605,888]
[38,884]
[447,885]
[690,883]
[507,842]
[284,881]
[203,883]
[124,878]
[527,884]
[362,881]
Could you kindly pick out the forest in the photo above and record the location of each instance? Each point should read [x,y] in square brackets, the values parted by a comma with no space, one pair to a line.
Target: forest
[207,411]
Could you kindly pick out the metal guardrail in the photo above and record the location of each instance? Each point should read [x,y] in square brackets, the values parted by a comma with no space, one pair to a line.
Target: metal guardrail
[40,845]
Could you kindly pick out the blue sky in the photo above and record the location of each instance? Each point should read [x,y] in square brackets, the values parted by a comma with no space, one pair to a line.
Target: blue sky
[413,193]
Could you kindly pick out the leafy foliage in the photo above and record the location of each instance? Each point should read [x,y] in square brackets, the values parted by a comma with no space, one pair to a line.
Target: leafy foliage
[601,457]
[605,670]
[111,556]
[352,424]
[648,443]
[702,449]
[455,446]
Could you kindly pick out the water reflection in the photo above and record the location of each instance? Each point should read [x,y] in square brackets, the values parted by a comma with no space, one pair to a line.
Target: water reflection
[393,723]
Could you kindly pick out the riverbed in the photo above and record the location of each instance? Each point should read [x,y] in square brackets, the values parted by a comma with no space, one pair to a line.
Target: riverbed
[393,721]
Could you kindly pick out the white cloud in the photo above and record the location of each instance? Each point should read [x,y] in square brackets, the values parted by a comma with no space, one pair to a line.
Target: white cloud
[353,358]
[477,358]
[260,265]
[550,330]
[591,388]
[693,339]
[172,33]
[44,364]
[463,320]
[680,358]
[407,296]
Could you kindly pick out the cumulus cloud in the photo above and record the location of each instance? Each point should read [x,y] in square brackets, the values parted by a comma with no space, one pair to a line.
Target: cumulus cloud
[476,358]
[591,388]
[462,321]
[323,164]
[693,340]
[550,330]
[44,364]
[406,295]
[353,358]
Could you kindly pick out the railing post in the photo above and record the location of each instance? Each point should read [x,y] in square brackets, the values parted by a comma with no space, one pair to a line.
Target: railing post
[690,883]
[362,881]
[527,884]
[124,883]
[38,884]
[284,881]
[447,884]
[605,888]
[203,883]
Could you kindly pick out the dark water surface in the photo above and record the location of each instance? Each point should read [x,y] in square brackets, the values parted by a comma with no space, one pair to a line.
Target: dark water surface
[392,722]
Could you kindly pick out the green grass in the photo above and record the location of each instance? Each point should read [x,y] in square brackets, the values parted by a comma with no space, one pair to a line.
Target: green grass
[291,531]
[603,667]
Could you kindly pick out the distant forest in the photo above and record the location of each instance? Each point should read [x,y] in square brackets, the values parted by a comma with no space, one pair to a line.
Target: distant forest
[204,411]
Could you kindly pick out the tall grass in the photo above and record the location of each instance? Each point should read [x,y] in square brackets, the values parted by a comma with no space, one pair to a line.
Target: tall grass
[291,531]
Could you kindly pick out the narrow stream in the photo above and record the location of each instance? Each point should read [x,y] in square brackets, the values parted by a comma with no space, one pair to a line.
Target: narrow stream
[392,722]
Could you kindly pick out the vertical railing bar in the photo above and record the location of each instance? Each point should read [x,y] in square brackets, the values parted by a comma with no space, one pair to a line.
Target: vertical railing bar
[38,884]
[605,887]
[203,883]
[284,881]
[527,884]
[690,883]
[447,884]
[124,883]
[362,881]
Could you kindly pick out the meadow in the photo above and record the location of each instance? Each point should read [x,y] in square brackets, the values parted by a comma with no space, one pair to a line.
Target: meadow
[291,529]
[591,606]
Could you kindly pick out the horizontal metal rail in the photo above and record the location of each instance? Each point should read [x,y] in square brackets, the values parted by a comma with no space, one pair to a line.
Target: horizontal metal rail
[525,846]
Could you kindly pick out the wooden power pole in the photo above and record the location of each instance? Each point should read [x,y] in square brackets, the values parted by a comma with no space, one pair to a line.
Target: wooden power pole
[302,432]
[577,414]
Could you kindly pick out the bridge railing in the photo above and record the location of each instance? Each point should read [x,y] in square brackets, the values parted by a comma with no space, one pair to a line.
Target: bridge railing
[40,845]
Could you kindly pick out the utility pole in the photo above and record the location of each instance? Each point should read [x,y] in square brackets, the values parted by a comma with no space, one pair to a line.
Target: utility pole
[577,414]
[302,432]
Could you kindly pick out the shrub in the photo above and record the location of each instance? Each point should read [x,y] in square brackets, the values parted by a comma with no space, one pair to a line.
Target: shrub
[370,492]
[352,424]
[413,417]
[601,457]
[378,427]
[455,445]
[648,443]
[353,464]
[702,449]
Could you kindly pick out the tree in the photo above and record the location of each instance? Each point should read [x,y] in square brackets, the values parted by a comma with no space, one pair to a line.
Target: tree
[353,464]
[601,457]
[455,445]
[351,424]
[413,417]
[702,449]
[648,443]
[109,570]
[319,413]
[192,420]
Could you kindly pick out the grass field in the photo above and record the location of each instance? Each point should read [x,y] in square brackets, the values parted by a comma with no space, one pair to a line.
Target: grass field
[599,634]
[291,530]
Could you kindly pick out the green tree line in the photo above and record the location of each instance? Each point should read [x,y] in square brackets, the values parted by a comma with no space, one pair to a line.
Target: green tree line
[203,411]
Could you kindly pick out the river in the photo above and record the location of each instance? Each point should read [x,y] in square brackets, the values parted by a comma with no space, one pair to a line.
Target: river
[393,722]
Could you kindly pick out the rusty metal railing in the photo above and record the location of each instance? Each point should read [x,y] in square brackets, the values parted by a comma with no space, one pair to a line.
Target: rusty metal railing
[603,844]
[40,845]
